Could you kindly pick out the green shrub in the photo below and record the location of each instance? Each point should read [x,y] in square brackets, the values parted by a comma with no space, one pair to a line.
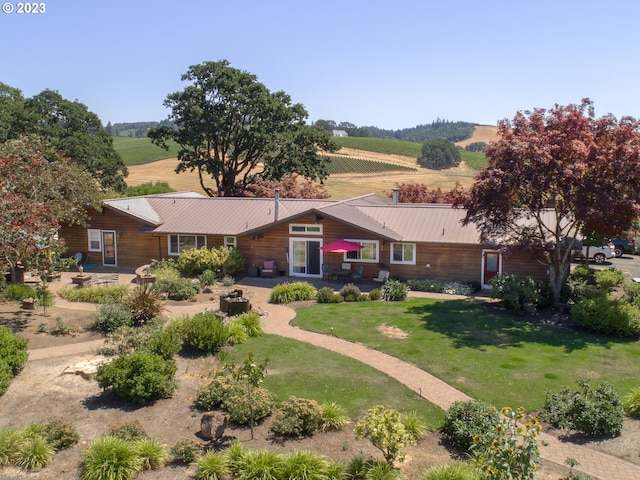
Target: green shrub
[292,292]
[439,286]
[153,454]
[454,471]
[59,433]
[144,304]
[165,269]
[332,417]
[99,295]
[213,394]
[205,332]
[324,295]
[581,274]
[394,291]
[297,417]
[609,279]
[129,431]
[515,292]
[35,453]
[592,412]
[464,420]
[165,343]
[212,465]
[13,356]
[606,315]
[110,458]
[177,288]
[631,403]
[110,317]
[129,339]
[236,403]
[186,450]
[139,377]
[336,298]
[208,278]
[19,291]
[350,292]
[375,294]
[195,261]
[251,323]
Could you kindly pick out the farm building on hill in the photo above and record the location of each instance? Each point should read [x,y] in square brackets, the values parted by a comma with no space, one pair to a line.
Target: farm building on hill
[412,241]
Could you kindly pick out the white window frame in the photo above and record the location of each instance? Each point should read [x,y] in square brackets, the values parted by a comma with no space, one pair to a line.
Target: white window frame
[230,241]
[172,252]
[305,229]
[97,234]
[403,261]
[361,241]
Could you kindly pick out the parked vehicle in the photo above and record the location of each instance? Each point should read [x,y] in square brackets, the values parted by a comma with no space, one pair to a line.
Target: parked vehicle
[598,253]
[624,245]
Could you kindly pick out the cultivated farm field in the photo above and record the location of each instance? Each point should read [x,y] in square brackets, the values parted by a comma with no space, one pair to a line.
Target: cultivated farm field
[339,186]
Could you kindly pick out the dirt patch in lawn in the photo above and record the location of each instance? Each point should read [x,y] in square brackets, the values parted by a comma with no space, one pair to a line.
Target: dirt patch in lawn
[392,332]
[44,390]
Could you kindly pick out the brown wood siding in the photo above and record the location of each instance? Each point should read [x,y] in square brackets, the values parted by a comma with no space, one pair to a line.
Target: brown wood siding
[446,261]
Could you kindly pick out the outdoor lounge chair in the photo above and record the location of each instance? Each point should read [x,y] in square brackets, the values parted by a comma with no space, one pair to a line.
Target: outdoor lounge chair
[268,268]
[382,276]
[326,271]
[358,274]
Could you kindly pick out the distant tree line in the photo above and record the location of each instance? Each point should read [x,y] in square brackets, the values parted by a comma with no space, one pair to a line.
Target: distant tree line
[452,131]
[135,129]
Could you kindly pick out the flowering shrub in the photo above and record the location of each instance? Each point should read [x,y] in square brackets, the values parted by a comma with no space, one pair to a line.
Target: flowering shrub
[297,417]
[510,450]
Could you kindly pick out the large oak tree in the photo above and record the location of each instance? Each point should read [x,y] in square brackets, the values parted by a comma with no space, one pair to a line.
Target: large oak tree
[231,129]
[555,175]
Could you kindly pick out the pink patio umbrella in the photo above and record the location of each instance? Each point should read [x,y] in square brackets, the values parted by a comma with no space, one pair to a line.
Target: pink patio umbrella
[341,246]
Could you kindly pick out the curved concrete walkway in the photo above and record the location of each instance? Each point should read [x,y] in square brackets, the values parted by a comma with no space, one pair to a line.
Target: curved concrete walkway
[277,322]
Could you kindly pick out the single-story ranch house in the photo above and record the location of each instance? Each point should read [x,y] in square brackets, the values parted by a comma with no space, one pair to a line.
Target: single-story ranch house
[412,241]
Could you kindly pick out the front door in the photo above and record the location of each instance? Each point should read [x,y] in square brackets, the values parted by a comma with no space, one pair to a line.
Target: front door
[109,248]
[305,257]
[491,266]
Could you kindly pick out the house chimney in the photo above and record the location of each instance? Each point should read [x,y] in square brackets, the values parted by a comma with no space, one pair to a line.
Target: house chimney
[277,204]
[395,196]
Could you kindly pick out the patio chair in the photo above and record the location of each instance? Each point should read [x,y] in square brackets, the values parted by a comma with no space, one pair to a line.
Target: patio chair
[382,277]
[268,268]
[326,271]
[358,274]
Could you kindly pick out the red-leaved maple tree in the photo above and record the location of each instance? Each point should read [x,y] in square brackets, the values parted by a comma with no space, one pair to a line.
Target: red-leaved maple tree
[555,175]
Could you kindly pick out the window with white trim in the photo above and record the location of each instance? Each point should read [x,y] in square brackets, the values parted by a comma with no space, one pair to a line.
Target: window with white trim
[178,243]
[305,228]
[230,241]
[368,253]
[403,253]
[95,240]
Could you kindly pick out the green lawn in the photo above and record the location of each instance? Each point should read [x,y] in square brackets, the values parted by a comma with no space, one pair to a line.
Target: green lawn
[302,370]
[137,151]
[498,358]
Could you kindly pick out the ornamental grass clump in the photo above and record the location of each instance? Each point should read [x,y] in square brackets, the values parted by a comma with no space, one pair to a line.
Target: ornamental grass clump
[394,291]
[288,292]
[631,403]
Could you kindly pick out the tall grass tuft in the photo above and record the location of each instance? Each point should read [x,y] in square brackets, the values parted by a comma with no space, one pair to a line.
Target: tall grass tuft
[333,417]
[35,453]
[152,453]
[110,458]
[212,466]
[11,442]
[260,464]
[304,465]
[453,471]
[293,292]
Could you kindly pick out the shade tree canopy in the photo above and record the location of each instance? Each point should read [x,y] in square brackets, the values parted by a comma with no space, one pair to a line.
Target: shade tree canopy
[438,153]
[555,175]
[232,130]
[68,126]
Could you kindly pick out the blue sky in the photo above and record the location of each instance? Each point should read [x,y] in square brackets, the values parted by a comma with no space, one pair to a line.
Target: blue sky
[390,64]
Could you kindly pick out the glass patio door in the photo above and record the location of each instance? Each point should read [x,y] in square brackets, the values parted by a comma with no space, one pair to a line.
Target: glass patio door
[305,257]
[109,248]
